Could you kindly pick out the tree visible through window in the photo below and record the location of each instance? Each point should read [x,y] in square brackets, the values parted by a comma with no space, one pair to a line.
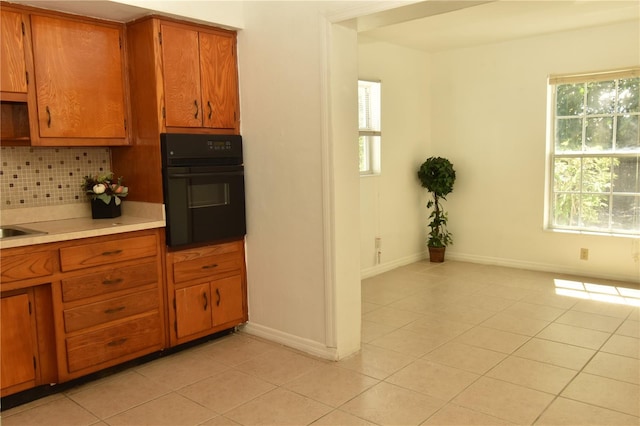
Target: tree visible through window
[369,126]
[595,158]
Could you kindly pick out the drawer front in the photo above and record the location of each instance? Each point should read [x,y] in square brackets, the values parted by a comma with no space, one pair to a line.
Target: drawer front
[99,254]
[110,310]
[25,266]
[206,251]
[206,267]
[109,281]
[94,348]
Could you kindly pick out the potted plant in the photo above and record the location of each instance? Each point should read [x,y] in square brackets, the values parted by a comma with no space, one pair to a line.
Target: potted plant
[105,194]
[437,175]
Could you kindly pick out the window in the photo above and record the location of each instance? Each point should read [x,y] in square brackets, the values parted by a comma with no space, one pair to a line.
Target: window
[595,152]
[369,126]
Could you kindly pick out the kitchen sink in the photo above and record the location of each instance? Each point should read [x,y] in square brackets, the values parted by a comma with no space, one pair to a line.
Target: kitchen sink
[17,231]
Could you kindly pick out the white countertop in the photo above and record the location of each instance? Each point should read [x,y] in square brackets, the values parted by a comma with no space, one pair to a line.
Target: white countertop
[73,221]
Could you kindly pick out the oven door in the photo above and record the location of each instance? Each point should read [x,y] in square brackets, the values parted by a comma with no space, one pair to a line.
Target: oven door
[204,204]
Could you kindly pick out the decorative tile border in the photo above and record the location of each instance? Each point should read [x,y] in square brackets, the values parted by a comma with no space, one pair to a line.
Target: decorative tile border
[35,176]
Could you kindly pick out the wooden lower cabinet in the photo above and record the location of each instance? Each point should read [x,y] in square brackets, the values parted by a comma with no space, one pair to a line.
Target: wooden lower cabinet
[75,307]
[19,366]
[207,288]
[110,302]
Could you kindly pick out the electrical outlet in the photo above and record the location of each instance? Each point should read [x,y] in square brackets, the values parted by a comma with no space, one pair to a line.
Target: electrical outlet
[584,254]
[378,243]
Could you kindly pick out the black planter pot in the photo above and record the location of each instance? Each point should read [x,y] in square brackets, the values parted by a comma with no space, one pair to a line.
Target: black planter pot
[100,210]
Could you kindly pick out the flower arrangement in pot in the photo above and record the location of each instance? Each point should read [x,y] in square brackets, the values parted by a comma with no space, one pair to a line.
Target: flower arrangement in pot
[105,193]
[437,175]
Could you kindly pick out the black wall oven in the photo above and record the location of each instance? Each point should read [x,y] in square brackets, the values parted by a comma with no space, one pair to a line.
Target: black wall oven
[203,185]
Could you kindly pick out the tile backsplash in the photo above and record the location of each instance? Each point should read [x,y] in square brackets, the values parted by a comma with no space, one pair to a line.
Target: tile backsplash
[35,176]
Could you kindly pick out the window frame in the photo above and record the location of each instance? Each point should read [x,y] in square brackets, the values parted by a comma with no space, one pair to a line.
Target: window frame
[614,153]
[372,134]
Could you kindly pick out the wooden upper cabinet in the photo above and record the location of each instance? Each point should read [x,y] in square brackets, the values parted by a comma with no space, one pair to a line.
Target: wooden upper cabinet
[200,77]
[182,93]
[220,81]
[14,69]
[79,81]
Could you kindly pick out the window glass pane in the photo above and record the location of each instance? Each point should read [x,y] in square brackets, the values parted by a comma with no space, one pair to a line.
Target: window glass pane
[595,211]
[570,99]
[369,105]
[596,174]
[627,133]
[364,154]
[601,96]
[567,174]
[626,177]
[566,209]
[626,212]
[629,95]
[568,134]
[599,134]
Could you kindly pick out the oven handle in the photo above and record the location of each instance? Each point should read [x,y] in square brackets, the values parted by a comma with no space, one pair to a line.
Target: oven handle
[191,175]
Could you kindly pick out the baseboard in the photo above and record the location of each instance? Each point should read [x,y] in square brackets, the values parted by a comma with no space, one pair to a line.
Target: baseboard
[388,266]
[497,261]
[536,266]
[305,345]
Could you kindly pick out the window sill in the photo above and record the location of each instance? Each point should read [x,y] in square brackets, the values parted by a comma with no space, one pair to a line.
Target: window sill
[594,233]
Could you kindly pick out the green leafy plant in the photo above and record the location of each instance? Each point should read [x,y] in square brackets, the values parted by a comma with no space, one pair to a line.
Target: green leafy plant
[438,176]
[104,187]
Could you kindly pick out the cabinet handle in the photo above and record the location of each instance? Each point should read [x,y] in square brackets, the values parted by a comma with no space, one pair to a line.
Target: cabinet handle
[111,282]
[111,253]
[206,301]
[214,265]
[117,342]
[48,116]
[114,310]
[197,108]
[210,109]
[218,294]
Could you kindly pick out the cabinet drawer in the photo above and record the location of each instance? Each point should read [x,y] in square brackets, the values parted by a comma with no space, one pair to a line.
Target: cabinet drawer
[109,281]
[206,267]
[25,266]
[97,347]
[109,252]
[110,310]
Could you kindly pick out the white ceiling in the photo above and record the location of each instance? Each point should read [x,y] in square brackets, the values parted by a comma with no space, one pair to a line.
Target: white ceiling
[478,22]
[433,25]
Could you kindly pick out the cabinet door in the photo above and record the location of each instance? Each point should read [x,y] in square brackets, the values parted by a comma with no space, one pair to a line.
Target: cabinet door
[181,66]
[193,309]
[227,300]
[79,79]
[219,80]
[17,363]
[13,69]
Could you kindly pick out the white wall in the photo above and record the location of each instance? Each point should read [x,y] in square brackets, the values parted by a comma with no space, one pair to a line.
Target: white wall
[298,232]
[393,204]
[488,117]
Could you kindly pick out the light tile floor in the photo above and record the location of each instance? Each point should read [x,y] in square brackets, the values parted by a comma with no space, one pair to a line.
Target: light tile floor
[443,344]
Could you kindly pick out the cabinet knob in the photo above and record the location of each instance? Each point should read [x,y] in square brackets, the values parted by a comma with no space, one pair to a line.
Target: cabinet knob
[113,281]
[48,116]
[218,295]
[195,102]
[206,301]
[210,110]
